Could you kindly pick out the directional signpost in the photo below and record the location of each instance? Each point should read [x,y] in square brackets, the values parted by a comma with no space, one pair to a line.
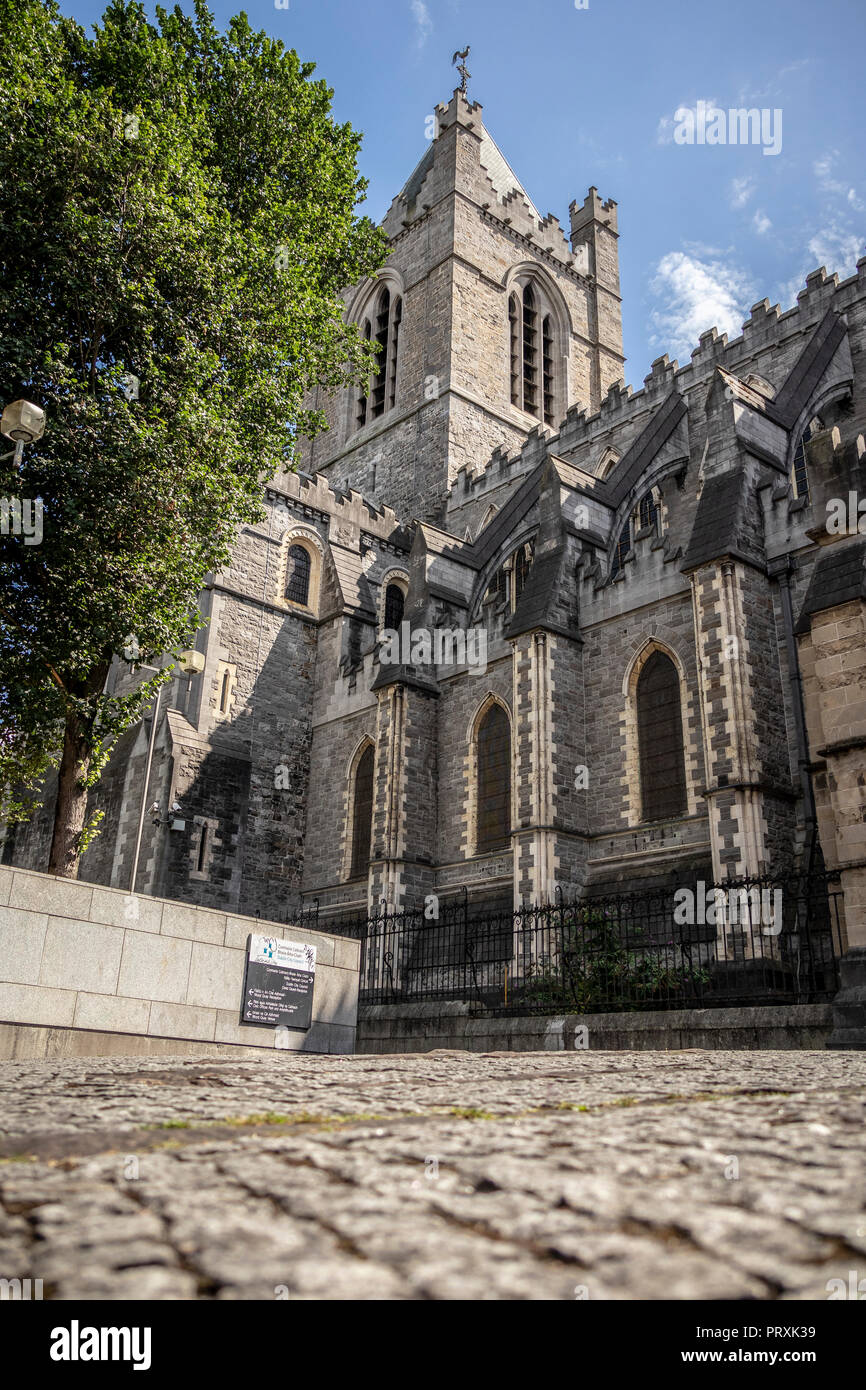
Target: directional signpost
[278,983]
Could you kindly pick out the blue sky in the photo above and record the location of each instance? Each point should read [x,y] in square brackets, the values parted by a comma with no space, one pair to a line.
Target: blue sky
[588,96]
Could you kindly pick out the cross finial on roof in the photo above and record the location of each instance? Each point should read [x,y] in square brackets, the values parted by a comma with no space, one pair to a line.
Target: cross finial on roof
[465,74]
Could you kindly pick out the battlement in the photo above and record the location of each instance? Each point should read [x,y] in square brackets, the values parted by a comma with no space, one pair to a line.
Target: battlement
[593,209]
[346,505]
[765,325]
[458,110]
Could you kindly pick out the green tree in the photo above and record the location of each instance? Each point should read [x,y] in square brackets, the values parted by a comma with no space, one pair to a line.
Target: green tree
[179,217]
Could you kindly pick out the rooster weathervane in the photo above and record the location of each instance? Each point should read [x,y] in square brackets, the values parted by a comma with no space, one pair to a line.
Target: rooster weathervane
[461,67]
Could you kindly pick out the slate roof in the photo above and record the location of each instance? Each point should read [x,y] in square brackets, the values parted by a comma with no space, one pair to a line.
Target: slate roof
[540,598]
[640,455]
[809,368]
[838,577]
[354,584]
[717,519]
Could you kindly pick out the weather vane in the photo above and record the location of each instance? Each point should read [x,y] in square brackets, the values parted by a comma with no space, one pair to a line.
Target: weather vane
[465,74]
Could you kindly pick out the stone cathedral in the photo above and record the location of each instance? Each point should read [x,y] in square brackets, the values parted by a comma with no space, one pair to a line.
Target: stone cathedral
[647,654]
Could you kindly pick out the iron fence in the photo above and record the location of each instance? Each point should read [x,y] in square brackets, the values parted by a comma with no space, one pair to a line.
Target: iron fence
[747,941]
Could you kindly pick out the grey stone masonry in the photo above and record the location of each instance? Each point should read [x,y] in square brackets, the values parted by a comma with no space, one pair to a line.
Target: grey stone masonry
[555,535]
[80,958]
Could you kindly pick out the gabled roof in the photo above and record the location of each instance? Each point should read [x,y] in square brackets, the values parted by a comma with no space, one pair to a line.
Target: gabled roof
[718,519]
[499,171]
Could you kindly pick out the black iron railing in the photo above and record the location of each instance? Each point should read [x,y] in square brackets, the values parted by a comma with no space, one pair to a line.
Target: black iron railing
[754,941]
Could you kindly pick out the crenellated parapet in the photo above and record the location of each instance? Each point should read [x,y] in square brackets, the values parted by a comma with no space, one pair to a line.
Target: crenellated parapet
[345,506]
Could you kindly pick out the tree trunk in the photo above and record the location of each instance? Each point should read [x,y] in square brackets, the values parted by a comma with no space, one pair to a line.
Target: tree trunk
[71,808]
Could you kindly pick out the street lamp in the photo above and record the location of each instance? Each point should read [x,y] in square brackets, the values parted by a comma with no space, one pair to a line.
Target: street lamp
[191,663]
[25,423]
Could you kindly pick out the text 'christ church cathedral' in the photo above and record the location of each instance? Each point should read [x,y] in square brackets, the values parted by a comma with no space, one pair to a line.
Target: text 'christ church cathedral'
[655,659]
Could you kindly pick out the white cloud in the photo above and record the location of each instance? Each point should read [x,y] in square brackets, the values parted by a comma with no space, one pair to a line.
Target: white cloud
[836,247]
[697,294]
[761,222]
[823,170]
[665,127]
[742,190]
[423,22]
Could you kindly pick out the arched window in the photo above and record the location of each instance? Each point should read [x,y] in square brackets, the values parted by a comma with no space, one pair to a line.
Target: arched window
[494,781]
[648,514]
[383,316]
[298,575]
[392,366]
[547,368]
[514,337]
[660,738]
[522,566]
[362,813]
[623,546]
[799,472]
[532,354]
[497,589]
[380,394]
[395,602]
[361,417]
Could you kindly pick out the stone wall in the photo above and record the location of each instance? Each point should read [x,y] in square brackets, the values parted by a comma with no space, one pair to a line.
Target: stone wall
[81,958]
[384,1028]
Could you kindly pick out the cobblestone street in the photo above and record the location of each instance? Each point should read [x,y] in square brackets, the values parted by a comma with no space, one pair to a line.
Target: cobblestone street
[690,1175]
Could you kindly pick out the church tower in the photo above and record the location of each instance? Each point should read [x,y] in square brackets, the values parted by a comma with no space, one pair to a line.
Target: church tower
[491,323]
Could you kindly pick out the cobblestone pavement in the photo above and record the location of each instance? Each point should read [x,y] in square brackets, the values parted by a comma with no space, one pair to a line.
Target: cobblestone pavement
[687,1175]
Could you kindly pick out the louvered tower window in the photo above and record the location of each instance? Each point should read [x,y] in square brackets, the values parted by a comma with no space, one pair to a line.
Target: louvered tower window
[514,339]
[382,318]
[361,417]
[298,575]
[392,366]
[530,352]
[547,368]
[362,813]
[660,737]
[494,781]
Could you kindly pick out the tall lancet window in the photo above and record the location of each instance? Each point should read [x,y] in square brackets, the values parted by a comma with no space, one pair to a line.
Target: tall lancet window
[298,575]
[532,353]
[361,416]
[379,394]
[362,813]
[493,749]
[660,737]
